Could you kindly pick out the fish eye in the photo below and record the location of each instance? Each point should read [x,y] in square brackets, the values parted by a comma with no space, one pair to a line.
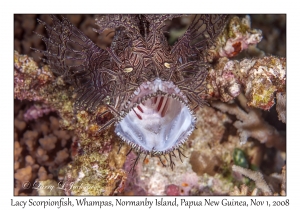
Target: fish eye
[127,70]
[167,65]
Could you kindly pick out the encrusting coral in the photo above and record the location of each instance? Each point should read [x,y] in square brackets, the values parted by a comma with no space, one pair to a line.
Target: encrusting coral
[237,36]
[55,146]
[260,79]
[54,93]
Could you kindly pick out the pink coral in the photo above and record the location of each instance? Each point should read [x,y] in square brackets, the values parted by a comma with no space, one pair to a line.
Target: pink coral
[172,190]
[235,45]
[188,181]
[28,78]
[37,111]
[241,37]
[260,78]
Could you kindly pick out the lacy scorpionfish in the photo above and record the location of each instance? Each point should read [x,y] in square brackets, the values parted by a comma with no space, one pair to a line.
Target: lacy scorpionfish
[150,87]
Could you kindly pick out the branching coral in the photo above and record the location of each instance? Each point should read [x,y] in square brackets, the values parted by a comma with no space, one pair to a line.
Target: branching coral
[260,182]
[281,106]
[256,176]
[39,153]
[244,190]
[28,77]
[283,183]
[251,124]
[37,111]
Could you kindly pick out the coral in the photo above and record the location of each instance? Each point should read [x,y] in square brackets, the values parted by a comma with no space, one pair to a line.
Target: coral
[274,41]
[26,24]
[48,142]
[236,37]
[221,81]
[17,150]
[251,124]
[281,106]
[49,187]
[23,174]
[188,182]
[19,124]
[37,111]
[29,138]
[86,175]
[134,185]
[256,176]
[283,183]
[117,182]
[274,184]
[172,190]
[61,156]
[259,78]
[42,174]
[244,190]
[38,151]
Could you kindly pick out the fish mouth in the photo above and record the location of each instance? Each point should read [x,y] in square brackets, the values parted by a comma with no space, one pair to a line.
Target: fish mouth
[158,124]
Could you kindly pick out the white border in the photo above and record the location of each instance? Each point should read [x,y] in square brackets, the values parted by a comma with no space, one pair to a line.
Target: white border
[151,6]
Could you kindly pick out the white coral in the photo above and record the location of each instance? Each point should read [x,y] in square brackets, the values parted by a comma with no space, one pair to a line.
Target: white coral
[281,106]
[251,124]
[256,176]
[241,39]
